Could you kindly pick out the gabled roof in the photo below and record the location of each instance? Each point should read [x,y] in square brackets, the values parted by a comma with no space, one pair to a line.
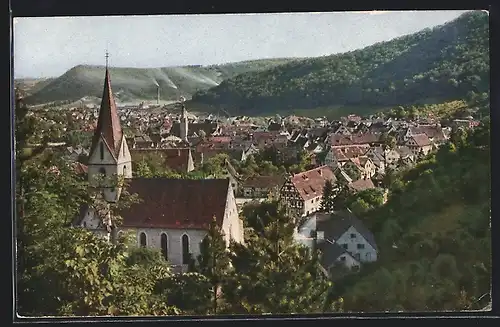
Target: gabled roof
[108,123]
[310,183]
[362,184]
[340,222]
[421,139]
[330,253]
[344,153]
[176,203]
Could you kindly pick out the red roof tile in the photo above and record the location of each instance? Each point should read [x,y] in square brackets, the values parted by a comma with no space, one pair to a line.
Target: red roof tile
[310,183]
[176,203]
[344,153]
[421,139]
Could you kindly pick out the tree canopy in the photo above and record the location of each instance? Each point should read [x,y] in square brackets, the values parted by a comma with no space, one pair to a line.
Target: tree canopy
[432,65]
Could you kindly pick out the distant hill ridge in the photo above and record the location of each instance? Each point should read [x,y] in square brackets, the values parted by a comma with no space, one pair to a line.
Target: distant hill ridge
[131,84]
[430,66]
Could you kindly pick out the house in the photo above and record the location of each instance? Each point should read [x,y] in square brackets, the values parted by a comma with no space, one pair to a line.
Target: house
[174,214]
[261,186]
[249,151]
[369,168]
[337,156]
[419,144]
[341,237]
[377,156]
[301,193]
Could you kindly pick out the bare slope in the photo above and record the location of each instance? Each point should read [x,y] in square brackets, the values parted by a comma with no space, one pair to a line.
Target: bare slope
[140,83]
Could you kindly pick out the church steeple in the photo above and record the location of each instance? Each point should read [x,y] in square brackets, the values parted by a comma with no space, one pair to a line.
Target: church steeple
[184,122]
[108,124]
[109,154]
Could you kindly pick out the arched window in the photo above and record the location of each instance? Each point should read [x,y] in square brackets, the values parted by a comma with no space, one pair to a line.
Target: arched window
[142,239]
[164,245]
[125,170]
[102,171]
[101,149]
[185,249]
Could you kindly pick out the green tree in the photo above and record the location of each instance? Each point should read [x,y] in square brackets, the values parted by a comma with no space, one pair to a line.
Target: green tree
[214,261]
[327,199]
[274,274]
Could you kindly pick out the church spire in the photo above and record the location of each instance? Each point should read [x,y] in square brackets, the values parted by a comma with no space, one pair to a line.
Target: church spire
[108,124]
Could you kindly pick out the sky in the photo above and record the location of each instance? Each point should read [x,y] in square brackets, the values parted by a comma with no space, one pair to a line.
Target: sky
[49,46]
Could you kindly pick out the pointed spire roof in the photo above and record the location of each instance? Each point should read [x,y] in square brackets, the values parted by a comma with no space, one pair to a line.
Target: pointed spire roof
[108,124]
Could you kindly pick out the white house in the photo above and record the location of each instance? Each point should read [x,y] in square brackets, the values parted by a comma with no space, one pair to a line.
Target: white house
[341,237]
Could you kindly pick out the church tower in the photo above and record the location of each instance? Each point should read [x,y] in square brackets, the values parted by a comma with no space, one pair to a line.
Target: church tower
[109,155]
[184,124]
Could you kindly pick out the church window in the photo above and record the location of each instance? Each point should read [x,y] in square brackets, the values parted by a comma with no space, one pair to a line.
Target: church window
[164,245]
[125,170]
[102,171]
[101,149]
[142,239]
[185,249]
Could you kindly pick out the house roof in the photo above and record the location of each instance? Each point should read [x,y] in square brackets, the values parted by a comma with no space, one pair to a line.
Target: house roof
[330,253]
[340,222]
[404,151]
[264,181]
[421,139]
[432,131]
[344,153]
[362,184]
[176,203]
[175,158]
[363,160]
[310,183]
[364,138]
[108,123]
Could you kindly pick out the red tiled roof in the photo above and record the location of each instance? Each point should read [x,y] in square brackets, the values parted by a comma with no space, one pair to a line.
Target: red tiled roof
[421,139]
[219,139]
[176,203]
[108,124]
[310,183]
[337,139]
[343,153]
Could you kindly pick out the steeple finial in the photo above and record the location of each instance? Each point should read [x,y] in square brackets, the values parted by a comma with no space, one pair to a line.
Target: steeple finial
[107,56]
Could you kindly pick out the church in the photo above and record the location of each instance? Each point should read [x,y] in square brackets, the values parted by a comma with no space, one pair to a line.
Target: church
[173,214]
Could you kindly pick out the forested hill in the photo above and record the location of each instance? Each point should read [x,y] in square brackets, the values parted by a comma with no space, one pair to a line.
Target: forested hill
[132,84]
[432,65]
